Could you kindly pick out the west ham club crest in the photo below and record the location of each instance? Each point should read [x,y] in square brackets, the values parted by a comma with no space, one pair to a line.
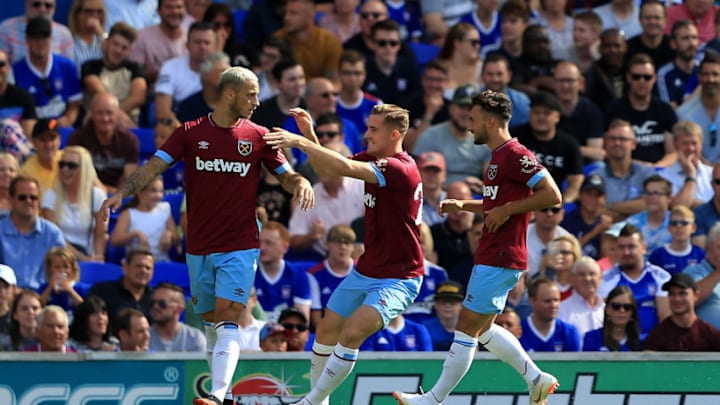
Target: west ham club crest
[245,148]
[492,172]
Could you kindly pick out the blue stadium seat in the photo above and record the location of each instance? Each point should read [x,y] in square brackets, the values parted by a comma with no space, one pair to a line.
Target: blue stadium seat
[424,52]
[92,273]
[239,17]
[172,272]
[65,135]
[146,136]
[175,199]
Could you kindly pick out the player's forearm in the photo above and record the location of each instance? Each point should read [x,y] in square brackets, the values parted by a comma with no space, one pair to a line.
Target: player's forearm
[325,161]
[475,206]
[142,176]
[292,181]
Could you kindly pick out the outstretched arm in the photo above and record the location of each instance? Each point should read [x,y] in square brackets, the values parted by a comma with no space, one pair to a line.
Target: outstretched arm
[136,181]
[324,161]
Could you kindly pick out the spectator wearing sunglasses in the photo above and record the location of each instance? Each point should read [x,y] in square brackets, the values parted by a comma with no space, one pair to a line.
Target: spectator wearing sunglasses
[43,165]
[12,31]
[390,76]
[297,330]
[703,110]
[691,178]
[540,233]
[683,330]
[167,333]
[653,221]
[709,212]
[621,328]
[25,236]
[651,118]
[329,130]
[52,79]
[680,252]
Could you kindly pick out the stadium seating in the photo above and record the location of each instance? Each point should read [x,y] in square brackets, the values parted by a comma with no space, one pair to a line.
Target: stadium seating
[175,199]
[424,52]
[146,136]
[239,17]
[91,272]
[172,272]
[65,135]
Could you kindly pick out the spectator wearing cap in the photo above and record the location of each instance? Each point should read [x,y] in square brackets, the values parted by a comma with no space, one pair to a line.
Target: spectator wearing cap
[680,252]
[52,79]
[447,304]
[13,37]
[15,102]
[433,174]
[390,77]
[496,76]
[273,338]
[464,160]
[297,330]
[707,275]
[579,116]
[7,294]
[652,119]
[327,275]
[53,331]
[43,166]
[589,220]
[690,176]
[555,149]
[683,330]
[621,173]
[25,236]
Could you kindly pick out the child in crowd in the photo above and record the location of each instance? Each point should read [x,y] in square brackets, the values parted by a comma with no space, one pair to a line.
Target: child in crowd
[147,221]
[679,253]
[62,286]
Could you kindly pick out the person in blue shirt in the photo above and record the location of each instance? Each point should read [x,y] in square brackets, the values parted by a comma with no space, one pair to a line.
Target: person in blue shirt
[279,284]
[63,287]
[24,236]
[621,326]
[447,304]
[675,256]
[542,330]
[401,335]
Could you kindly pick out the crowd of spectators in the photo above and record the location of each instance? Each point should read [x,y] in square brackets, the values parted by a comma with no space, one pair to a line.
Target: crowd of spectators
[619,102]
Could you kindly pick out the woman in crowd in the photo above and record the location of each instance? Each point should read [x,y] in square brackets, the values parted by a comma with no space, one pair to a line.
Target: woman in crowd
[86,22]
[23,323]
[562,254]
[223,21]
[621,327]
[461,56]
[90,329]
[73,202]
[343,21]
[8,170]
[63,287]
[147,221]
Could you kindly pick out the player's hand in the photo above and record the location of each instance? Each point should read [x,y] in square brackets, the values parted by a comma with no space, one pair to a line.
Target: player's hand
[303,120]
[450,205]
[495,218]
[113,203]
[304,194]
[280,138]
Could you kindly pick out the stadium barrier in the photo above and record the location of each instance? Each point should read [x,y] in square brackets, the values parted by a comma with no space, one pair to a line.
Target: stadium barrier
[281,378]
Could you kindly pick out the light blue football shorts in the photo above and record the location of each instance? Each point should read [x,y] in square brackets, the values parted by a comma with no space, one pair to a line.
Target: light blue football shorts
[228,275]
[389,296]
[489,287]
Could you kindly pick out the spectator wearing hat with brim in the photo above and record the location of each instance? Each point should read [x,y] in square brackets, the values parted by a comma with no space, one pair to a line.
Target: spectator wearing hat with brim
[464,160]
[448,304]
[43,166]
[297,330]
[554,148]
[273,338]
[683,330]
[589,220]
[7,294]
[52,79]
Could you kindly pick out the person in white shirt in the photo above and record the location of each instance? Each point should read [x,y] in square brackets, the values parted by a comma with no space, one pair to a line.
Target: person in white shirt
[690,177]
[584,308]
